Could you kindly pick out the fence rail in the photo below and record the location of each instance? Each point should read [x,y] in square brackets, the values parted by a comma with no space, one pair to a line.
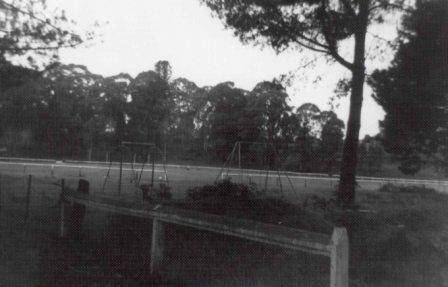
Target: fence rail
[335,246]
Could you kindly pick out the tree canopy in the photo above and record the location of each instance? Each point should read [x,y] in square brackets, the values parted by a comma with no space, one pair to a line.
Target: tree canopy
[28,29]
[413,91]
[320,26]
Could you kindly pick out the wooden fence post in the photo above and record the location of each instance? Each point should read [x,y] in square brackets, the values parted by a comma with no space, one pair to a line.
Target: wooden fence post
[78,212]
[157,245]
[339,258]
[1,193]
[28,195]
[62,226]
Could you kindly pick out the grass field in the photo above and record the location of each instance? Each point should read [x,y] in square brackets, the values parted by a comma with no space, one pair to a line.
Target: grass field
[292,187]
[398,238]
[180,178]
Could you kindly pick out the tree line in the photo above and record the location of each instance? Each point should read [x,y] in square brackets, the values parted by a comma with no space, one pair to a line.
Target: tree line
[65,111]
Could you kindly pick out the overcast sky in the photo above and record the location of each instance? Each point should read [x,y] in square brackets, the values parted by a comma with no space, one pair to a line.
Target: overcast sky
[138,33]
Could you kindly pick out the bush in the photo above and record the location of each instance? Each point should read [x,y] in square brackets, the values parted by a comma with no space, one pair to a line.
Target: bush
[242,201]
[163,192]
[389,187]
[222,189]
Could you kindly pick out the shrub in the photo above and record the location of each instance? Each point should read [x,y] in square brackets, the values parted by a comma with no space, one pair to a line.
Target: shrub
[242,201]
[390,187]
[223,189]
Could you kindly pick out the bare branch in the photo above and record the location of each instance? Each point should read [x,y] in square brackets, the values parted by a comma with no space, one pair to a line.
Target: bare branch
[314,42]
[341,60]
[327,51]
[389,42]
[40,48]
[408,9]
[12,7]
[312,48]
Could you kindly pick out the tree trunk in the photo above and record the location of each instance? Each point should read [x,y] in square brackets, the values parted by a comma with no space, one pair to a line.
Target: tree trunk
[347,182]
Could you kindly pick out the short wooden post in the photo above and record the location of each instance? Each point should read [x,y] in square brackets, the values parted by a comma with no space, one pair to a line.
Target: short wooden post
[339,258]
[157,245]
[62,226]
[1,193]
[28,195]
[78,212]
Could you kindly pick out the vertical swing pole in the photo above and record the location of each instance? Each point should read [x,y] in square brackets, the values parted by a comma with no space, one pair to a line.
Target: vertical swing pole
[62,223]
[277,164]
[107,174]
[28,195]
[239,161]
[267,169]
[121,170]
[164,153]
[152,171]
[132,167]
[231,159]
[280,181]
[221,172]
[142,169]
[164,162]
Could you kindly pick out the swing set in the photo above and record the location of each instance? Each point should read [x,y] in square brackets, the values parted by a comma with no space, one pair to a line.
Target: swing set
[149,152]
[270,162]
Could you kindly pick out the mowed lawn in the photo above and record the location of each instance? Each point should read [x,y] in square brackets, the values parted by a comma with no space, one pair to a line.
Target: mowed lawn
[180,178]
[399,237]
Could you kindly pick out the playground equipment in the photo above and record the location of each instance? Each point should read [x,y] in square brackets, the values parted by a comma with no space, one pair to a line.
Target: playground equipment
[263,157]
[138,150]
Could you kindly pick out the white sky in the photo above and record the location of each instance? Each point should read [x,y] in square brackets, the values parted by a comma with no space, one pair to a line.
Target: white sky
[141,32]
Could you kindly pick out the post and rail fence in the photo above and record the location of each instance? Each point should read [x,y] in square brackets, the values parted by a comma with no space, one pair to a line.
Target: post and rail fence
[335,246]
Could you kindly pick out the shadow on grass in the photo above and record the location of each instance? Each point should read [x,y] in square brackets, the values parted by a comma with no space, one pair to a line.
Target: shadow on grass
[397,238]
[193,258]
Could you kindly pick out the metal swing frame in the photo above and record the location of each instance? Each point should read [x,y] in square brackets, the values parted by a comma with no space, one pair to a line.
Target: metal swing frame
[237,148]
[150,149]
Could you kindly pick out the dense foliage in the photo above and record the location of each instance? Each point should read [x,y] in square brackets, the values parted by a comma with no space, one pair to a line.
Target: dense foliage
[322,26]
[31,32]
[413,91]
[66,111]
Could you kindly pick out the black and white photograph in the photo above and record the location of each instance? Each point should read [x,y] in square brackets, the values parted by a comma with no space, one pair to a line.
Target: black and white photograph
[222,143]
